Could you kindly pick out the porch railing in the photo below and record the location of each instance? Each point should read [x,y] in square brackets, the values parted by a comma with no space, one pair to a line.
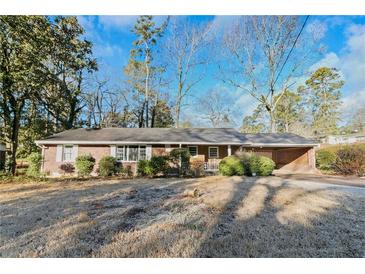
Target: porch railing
[212,164]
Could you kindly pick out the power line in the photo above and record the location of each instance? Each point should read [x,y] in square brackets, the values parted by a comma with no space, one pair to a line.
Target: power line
[287,57]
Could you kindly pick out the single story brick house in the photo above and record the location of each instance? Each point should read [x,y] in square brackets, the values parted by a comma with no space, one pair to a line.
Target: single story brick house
[290,152]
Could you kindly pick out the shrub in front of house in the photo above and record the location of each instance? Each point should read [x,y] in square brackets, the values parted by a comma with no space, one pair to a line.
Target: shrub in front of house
[107,166]
[230,166]
[157,165]
[180,157]
[253,168]
[197,167]
[350,160]
[84,164]
[67,168]
[144,168]
[325,159]
[266,166]
[34,164]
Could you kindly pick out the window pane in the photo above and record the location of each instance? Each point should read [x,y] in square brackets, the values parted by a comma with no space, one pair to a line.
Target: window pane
[67,153]
[133,153]
[193,151]
[142,153]
[213,152]
[120,154]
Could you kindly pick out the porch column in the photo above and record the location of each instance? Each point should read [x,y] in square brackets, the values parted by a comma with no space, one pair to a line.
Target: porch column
[229,150]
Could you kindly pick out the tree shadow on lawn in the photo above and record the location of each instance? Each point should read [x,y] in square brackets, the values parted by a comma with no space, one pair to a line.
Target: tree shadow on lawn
[86,216]
[261,217]
[252,217]
[284,222]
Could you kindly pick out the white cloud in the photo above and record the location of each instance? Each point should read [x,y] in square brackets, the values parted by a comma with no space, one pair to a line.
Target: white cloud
[352,102]
[353,60]
[329,60]
[351,64]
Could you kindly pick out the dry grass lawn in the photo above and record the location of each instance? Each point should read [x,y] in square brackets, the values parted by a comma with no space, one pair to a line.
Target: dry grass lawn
[232,217]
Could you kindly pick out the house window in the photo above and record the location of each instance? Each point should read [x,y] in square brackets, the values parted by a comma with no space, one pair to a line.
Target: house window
[133,153]
[213,152]
[130,153]
[142,153]
[67,153]
[121,153]
[193,150]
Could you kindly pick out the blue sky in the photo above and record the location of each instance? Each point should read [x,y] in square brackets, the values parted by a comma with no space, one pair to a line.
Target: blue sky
[343,38]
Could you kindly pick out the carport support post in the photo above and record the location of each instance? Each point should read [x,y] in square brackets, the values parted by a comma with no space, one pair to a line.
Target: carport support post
[229,150]
[180,161]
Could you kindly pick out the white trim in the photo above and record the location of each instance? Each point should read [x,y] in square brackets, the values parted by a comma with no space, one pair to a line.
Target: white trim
[59,153]
[229,150]
[113,151]
[282,145]
[45,142]
[75,152]
[197,150]
[209,152]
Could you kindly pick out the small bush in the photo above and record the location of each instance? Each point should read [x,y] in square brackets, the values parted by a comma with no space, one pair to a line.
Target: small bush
[159,164]
[144,168]
[67,168]
[197,167]
[85,164]
[230,166]
[181,158]
[350,160]
[253,165]
[266,166]
[126,171]
[107,166]
[325,159]
[34,164]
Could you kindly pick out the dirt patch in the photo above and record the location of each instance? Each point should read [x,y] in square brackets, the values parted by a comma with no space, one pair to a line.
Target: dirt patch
[231,217]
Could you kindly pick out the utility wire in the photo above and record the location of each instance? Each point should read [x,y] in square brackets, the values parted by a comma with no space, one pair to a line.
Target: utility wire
[287,57]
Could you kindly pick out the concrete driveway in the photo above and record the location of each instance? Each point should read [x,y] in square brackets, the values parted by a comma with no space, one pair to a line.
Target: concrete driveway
[354,185]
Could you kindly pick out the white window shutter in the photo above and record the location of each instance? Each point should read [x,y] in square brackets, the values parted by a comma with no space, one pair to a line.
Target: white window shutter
[59,151]
[148,152]
[113,151]
[75,152]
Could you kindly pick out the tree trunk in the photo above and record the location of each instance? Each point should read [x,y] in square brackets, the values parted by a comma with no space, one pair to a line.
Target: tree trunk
[14,141]
[272,122]
[147,60]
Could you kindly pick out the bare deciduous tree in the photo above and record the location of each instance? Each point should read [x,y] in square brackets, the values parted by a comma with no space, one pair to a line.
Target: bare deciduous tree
[259,47]
[215,108]
[185,48]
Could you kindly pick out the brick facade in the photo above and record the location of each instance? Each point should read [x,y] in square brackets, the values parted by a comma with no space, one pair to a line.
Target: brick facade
[290,159]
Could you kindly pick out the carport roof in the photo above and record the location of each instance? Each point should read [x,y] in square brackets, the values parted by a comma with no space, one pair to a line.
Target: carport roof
[174,136]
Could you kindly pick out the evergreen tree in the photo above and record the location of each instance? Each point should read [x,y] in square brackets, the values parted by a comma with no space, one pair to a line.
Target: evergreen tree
[324,99]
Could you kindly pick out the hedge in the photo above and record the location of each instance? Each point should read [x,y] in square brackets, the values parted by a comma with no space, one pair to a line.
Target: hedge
[107,166]
[246,164]
[84,164]
[34,164]
[230,166]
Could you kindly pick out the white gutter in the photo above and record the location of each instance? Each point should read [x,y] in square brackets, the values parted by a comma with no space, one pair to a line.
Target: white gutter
[45,142]
[283,145]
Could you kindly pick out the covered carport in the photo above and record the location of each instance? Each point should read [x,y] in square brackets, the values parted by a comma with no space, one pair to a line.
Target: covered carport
[290,152]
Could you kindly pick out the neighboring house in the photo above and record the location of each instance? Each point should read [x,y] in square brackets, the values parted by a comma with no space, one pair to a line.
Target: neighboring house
[2,156]
[343,139]
[289,151]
